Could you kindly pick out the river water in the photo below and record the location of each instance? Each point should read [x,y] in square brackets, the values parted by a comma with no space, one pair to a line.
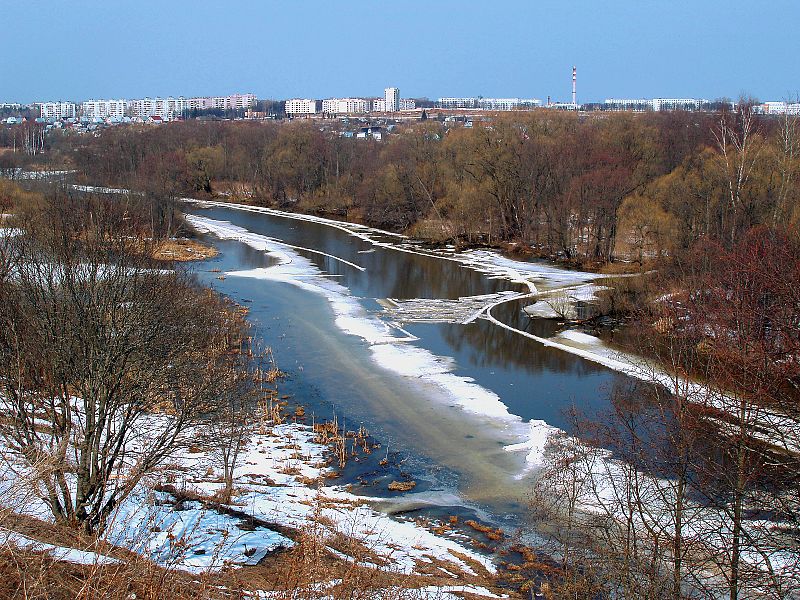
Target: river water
[459,405]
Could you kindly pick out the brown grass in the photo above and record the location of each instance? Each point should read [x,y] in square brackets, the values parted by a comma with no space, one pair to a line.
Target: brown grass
[183,250]
[309,570]
[402,486]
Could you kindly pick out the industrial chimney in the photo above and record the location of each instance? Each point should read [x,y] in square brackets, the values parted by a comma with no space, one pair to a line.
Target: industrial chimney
[574,87]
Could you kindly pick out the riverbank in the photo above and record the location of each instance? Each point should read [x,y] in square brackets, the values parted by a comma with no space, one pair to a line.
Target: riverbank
[421,233]
[282,509]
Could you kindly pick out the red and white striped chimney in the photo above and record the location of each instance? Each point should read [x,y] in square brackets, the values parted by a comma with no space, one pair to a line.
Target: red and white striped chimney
[574,86]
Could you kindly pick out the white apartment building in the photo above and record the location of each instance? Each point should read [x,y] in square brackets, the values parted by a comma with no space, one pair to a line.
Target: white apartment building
[564,106]
[302,106]
[345,106]
[780,108]
[379,105]
[391,98]
[241,101]
[655,104]
[679,104]
[489,103]
[166,108]
[57,110]
[507,103]
[407,104]
[629,104]
[103,109]
[232,102]
[329,105]
[458,102]
[170,108]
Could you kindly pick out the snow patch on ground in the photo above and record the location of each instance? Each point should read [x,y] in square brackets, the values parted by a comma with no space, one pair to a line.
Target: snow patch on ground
[446,592]
[279,482]
[273,482]
[189,537]
[559,303]
[535,445]
[579,337]
[78,557]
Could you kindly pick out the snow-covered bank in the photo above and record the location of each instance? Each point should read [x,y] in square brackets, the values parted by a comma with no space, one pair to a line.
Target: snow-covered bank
[72,555]
[279,481]
[273,482]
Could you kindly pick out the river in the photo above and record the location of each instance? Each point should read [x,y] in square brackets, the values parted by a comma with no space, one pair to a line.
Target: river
[458,405]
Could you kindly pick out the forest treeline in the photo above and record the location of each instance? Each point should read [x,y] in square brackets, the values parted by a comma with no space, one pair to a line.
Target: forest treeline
[582,189]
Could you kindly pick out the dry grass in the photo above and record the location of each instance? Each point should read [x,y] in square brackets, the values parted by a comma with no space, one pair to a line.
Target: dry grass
[402,486]
[183,250]
[32,575]
[311,570]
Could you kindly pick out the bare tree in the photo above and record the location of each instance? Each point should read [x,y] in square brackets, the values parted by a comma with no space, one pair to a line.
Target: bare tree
[788,152]
[736,135]
[103,364]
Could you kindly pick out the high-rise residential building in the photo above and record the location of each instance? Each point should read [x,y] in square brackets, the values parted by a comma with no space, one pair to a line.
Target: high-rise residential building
[391,97]
[302,106]
[166,108]
[346,106]
[103,109]
[57,110]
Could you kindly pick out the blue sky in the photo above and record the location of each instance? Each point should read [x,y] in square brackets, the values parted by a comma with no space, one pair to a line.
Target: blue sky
[79,49]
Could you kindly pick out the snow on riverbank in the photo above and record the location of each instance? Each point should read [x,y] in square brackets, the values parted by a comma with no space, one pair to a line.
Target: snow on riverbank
[273,479]
[561,302]
[279,481]
[73,555]
[532,274]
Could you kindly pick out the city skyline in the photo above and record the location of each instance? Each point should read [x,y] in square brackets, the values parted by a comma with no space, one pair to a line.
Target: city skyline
[514,50]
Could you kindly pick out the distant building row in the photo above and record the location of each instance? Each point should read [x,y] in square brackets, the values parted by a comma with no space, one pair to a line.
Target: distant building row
[489,103]
[779,108]
[656,104]
[166,108]
[391,102]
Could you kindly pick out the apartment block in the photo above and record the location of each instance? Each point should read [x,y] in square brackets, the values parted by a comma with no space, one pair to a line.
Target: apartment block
[303,106]
[57,110]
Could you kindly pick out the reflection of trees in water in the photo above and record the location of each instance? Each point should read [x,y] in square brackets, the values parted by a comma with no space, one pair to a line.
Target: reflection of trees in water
[401,275]
[389,273]
[485,345]
[247,255]
[412,276]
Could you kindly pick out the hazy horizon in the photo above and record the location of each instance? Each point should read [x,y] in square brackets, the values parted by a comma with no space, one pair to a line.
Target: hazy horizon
[631,48]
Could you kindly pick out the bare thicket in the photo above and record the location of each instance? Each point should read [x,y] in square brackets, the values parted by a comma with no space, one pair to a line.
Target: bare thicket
[104,361]
[245,387]
[698,494]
